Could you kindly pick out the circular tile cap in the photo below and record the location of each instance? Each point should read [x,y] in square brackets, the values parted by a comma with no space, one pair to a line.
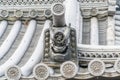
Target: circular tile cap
[33,13]
[4,13]
[96,67]
[13,73]
[18,13]
[68,69]
[41,71]
[58,9]
[47,13]
[117,66]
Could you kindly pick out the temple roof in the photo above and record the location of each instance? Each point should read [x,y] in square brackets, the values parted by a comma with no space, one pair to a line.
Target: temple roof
[22,31]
